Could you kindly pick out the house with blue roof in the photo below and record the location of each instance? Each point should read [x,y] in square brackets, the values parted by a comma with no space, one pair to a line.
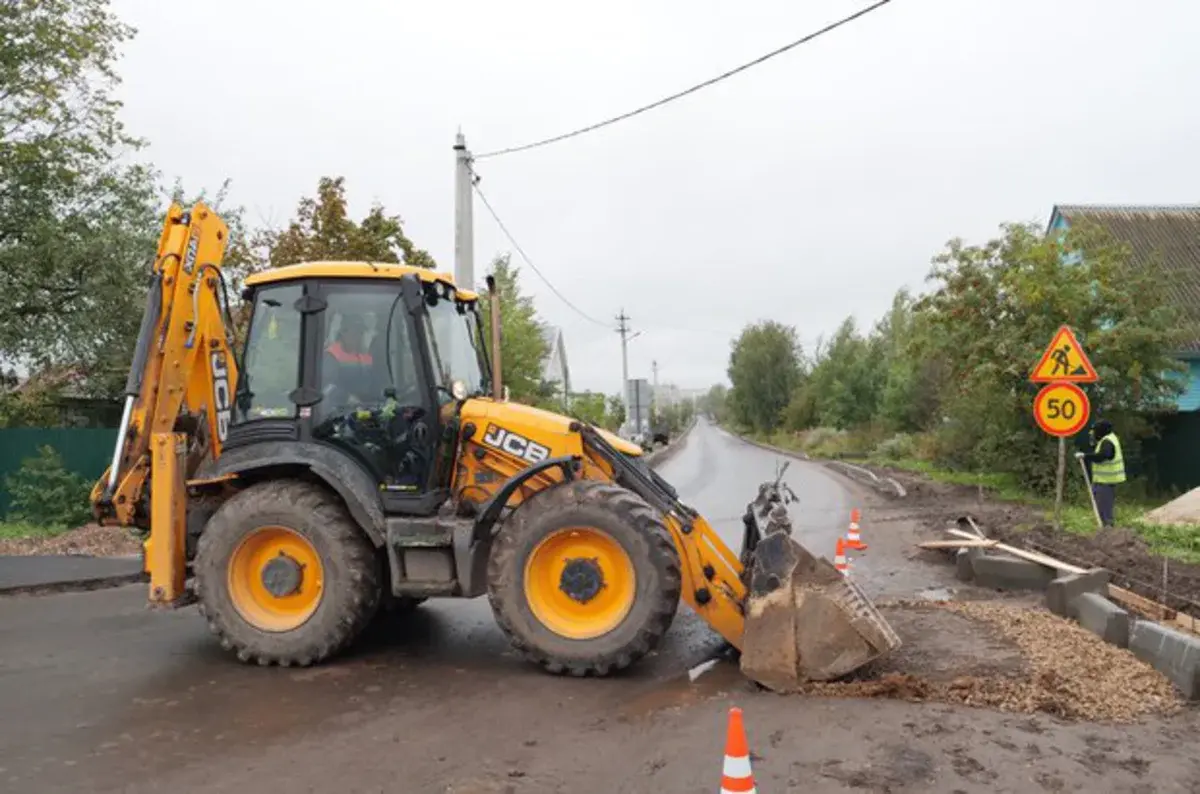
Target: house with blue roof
[1170,234]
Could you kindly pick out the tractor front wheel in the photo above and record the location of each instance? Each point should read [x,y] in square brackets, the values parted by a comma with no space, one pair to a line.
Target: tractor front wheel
[584,578]
[285,576]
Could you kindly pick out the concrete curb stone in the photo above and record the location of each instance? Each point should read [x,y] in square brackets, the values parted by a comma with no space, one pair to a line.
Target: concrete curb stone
[1005,573]
[964,564]
[1103,618]
[1173,653]
[1062,592]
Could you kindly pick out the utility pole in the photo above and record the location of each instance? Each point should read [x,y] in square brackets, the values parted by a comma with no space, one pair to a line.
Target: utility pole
[623,330]
[654,393]
[464,225]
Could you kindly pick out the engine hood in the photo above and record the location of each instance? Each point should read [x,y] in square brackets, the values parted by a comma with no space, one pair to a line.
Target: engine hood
[534,422]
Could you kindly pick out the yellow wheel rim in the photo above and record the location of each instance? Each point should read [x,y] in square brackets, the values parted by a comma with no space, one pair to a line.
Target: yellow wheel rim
[579,583]
[275,579]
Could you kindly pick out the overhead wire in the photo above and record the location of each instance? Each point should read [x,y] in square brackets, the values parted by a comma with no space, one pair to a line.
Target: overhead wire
[525,258]
[693,89]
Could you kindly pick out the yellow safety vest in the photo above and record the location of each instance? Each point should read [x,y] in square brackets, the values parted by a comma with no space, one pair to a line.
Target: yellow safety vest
[1109,472]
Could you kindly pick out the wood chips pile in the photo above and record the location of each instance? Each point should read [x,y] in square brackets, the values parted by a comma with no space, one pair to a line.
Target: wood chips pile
[1072,673]
[93,540]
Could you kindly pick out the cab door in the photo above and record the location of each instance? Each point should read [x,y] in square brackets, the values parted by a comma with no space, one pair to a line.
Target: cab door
[374,399]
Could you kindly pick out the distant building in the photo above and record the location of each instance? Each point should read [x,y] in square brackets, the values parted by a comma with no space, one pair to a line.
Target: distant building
[1170,234]
[555,369]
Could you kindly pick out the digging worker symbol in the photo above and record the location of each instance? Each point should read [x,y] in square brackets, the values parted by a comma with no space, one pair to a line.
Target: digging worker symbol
[1062,362]
[1108,468]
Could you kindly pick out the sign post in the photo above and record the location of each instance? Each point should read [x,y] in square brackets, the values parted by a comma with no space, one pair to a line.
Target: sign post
[1061,408]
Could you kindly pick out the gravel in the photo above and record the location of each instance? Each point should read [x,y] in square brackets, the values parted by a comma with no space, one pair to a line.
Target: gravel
[1068,672]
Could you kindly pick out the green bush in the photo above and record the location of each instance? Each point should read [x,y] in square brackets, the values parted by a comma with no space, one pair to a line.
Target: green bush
[44,492]
[899,447]
[823,442]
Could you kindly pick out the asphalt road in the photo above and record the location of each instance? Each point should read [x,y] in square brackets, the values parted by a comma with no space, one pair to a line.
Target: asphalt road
[113,696]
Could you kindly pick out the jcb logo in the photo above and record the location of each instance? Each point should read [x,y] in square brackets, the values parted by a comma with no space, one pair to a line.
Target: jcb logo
[513,444]
[222,399]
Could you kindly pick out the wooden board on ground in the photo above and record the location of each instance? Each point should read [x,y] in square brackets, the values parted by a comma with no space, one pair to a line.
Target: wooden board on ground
[958,544]
[1032,556]
[1154,610]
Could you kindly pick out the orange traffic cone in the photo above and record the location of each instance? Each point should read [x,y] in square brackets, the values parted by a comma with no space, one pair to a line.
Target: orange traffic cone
[839,558]
[736,775]
[853,536]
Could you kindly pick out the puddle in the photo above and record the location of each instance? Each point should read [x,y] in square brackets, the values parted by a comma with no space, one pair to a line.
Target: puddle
[707,680]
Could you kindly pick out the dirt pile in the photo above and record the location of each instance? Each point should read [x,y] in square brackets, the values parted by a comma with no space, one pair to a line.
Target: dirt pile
[1067,671]
[92,540]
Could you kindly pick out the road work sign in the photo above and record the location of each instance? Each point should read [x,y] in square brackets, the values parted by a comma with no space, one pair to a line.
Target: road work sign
[1061,409]
[1064,361]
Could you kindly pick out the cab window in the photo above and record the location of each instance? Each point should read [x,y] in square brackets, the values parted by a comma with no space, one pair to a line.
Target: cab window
[271,359]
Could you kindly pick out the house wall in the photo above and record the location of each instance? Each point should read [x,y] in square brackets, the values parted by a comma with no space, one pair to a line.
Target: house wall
[1190,399]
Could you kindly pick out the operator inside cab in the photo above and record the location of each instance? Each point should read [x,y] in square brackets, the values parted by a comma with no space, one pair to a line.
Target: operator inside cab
[349,365]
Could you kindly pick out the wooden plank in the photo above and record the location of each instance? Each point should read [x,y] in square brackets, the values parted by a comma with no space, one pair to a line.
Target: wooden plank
[958,544]
[1032,556]
[1155,610]
[975,527]
[1140,603]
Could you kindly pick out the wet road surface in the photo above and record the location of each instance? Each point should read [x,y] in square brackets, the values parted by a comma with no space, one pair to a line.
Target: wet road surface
[113,696]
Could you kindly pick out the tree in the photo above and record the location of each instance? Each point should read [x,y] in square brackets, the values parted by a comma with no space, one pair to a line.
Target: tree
[523,349]
[77,223]
[589,407]
[955,363]
[764,368]
[715,402]
[847,378]
[323,230]
[615,413]
[995,306]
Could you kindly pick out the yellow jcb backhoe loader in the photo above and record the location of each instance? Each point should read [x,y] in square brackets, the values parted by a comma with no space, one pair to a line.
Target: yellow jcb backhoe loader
[358,452]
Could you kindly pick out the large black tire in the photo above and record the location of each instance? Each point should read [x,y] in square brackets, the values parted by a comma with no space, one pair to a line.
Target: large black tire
[640,532]
[352,573]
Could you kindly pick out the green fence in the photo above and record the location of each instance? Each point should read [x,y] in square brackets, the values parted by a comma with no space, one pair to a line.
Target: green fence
[86,451]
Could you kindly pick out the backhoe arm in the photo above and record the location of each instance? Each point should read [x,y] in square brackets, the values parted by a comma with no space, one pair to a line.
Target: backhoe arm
[179,393]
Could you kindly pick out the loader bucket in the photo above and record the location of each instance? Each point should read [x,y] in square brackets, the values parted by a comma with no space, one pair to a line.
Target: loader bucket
[804,620]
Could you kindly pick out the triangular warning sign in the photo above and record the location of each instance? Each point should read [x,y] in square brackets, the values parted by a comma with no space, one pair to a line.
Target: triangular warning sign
[1064,360]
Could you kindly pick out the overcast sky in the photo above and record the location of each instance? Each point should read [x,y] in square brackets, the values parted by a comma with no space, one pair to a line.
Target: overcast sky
[803,190]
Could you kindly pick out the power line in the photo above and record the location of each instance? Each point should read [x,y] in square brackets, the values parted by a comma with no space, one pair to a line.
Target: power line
[512,240]
[724,75]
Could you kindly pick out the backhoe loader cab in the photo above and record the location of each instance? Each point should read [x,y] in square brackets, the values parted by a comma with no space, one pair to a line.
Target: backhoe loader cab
[355,454]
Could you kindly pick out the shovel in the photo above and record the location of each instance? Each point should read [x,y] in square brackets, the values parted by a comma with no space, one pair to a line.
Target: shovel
[1091,494]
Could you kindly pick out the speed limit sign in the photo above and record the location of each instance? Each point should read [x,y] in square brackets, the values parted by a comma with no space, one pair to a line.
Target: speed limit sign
[1061,409]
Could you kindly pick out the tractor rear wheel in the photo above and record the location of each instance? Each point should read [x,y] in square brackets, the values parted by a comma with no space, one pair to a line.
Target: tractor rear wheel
[285,576]
[584,578]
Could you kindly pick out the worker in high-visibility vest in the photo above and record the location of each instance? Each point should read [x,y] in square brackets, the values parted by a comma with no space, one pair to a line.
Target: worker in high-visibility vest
[1107,466]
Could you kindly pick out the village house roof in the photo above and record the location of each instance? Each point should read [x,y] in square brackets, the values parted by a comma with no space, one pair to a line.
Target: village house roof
[1169,232]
